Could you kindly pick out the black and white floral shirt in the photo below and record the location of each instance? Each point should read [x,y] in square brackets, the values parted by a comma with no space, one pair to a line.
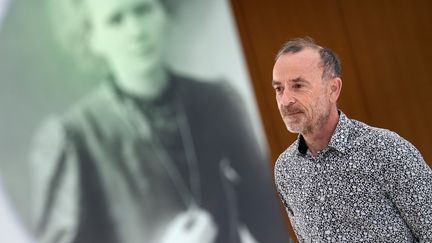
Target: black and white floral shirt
[367,185]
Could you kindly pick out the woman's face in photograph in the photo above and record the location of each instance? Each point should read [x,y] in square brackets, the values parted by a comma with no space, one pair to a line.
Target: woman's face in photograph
[127,34]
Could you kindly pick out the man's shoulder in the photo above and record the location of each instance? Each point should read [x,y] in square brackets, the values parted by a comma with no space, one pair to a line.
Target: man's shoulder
[379,140]
[288,154]
[367,134]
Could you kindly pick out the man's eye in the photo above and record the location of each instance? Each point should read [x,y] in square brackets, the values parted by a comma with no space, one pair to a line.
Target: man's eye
[297,86]
[278,89]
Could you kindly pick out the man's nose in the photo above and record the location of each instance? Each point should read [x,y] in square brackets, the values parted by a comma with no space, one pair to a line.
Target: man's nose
[287,98]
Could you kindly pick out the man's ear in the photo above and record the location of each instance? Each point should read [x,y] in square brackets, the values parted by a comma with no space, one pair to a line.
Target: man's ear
[335,89]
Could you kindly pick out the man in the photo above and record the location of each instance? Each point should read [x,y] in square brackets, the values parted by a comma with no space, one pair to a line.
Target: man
[343,180]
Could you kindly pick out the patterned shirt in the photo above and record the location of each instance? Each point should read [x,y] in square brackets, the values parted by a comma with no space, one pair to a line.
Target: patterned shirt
[367,185]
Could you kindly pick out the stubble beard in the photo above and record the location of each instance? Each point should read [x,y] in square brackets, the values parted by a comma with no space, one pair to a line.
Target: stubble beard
[305,125]
[297,125]
[293,124]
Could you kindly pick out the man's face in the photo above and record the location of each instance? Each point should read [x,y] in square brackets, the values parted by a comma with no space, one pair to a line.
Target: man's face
[302,95]
[128,34]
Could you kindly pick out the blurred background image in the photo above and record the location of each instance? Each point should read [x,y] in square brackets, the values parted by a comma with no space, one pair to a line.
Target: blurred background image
[132,121]
[11,227]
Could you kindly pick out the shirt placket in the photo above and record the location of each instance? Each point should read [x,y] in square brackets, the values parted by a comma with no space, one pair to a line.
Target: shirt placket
[319,193]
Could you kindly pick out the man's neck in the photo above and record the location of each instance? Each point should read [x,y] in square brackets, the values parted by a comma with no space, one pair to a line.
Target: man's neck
[320,138]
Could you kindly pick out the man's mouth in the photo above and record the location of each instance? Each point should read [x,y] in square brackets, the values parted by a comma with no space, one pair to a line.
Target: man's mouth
[293,113]
[286,112]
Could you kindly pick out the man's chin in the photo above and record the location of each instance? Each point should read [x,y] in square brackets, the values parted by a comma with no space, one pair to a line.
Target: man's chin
[294,128]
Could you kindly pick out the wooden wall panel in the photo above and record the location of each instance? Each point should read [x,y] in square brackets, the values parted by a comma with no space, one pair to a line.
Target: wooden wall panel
[265,25]
[386,52]
[393,51]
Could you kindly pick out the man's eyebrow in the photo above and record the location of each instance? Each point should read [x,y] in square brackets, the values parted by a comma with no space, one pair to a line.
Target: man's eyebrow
[294,80]
[275,82]
[299,80]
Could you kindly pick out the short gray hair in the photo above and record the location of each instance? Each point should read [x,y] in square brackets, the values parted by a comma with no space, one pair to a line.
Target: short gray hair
[329,60]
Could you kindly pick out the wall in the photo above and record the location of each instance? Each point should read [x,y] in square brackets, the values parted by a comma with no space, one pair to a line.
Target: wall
[385,51]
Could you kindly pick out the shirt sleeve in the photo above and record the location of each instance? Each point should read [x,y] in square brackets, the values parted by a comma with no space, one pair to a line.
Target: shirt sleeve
[55,185]
[280,183]
[409,185]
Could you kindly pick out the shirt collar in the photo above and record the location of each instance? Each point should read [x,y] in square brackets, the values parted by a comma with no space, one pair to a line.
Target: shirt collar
[339,139]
